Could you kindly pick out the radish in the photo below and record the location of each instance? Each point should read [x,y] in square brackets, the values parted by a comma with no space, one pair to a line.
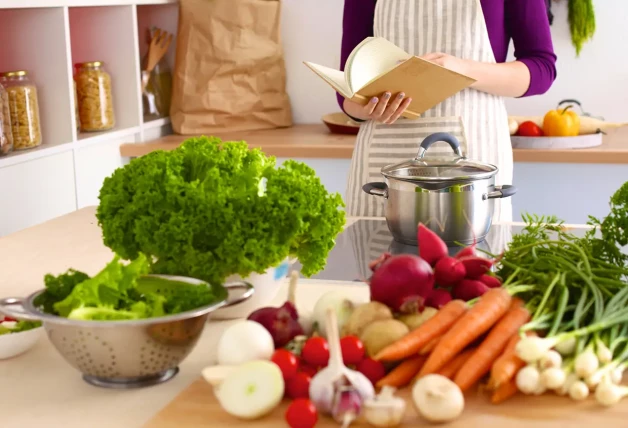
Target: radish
[373,265]
[466,252]
[438,298]
[402,283]
[431,247]
[469,289]
[490,281]
[476,266]
[449,271]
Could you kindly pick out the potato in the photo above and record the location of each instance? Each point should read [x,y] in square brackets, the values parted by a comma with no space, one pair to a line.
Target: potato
[364,315]
[379,334]
[414,321]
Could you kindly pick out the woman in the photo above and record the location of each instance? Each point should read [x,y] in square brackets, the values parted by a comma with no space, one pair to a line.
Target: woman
[470,37]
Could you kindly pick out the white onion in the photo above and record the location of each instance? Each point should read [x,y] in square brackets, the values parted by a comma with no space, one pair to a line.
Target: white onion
[531,349]
[553,377]
[586,364]
[528,379]
[566,346]
[243,342]
[551,359]
[578,390]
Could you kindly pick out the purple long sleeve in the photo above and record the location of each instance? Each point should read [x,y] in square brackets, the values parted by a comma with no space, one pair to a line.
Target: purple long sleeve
[525,22]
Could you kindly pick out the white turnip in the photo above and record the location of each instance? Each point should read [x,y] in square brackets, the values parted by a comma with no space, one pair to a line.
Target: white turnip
[437,398]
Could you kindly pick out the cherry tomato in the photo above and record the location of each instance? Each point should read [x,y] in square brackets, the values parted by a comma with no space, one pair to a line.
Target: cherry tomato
[306,368]
[372,369]
[8,319]
[298,386]
[301,414]
[352,350]
[286,361]
[529,129]
[315,352]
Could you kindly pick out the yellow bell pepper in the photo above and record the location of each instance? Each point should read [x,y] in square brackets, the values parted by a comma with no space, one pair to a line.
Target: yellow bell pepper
[561,123]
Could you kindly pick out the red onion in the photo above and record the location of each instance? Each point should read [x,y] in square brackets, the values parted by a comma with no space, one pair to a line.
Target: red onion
[402,282]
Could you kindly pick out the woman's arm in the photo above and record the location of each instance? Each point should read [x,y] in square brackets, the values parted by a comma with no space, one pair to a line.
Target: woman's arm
[534,69]
[357,25]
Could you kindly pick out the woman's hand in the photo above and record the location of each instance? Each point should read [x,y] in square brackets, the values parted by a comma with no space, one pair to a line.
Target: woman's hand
[448,61]
[385,109]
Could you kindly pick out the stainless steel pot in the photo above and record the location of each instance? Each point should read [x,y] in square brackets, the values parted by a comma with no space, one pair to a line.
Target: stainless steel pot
[451,195]
[126,354]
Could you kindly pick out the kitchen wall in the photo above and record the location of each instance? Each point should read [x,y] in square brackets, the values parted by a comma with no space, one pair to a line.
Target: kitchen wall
[312,31]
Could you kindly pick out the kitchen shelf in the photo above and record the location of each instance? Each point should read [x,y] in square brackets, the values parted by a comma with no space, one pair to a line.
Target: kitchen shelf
[46,38]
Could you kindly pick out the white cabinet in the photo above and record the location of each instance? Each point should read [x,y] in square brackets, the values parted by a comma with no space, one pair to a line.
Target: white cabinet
[35,191]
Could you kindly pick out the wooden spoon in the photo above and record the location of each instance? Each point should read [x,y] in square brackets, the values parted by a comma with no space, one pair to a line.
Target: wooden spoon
[158,47]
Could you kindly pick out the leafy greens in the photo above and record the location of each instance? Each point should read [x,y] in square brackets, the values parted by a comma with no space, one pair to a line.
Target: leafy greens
[210,209]
[122,292]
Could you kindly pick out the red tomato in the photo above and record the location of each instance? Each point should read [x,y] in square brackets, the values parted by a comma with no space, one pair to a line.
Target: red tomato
[301,414]
[372,369]
[306,368]
[352,350]
[529,129]
[315,352]
[298,386]
[286,361]
[9,319]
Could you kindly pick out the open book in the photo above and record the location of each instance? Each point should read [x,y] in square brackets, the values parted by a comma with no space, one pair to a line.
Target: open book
[377,65]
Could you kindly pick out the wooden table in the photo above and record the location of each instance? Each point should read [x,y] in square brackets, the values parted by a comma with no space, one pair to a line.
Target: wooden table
[315,141]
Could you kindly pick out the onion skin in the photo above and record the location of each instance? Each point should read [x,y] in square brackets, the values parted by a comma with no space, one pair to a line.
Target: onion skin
[403,283]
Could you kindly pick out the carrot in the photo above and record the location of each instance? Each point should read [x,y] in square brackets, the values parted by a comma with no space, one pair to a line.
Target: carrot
[504,392]
[430,346]
[413,342]
[479,319]
[402,374]
[507,365]
[491,348]
[451,368]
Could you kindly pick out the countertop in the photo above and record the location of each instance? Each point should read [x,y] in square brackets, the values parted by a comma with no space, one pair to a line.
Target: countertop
[40,388]
[315,141]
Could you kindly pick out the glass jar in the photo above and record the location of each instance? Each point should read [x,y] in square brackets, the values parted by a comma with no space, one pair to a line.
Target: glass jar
[93,87]
[6,134]
[76,109]
[23,110]
[158,92]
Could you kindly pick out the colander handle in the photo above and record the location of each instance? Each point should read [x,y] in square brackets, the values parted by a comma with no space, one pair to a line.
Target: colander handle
[431,139]
[9,306]
[244,289]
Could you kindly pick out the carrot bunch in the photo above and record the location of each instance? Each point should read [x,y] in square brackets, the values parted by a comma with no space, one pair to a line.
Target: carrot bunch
[464,344]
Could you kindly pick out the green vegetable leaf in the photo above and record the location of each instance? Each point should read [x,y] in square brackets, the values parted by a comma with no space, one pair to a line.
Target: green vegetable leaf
[58,288]
[210,209]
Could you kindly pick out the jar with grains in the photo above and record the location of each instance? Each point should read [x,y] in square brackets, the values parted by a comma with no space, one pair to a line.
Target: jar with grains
[23,109]
[93,87]
[76,110]
[6,134]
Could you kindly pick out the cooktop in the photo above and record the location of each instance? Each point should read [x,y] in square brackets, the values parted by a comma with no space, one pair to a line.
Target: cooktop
[367,239]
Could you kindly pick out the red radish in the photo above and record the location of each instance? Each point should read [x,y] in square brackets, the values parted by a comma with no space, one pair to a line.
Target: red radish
[469,289]
[378,261]
[402,283]
[282,323]
[438,298]
[466,252]
[449,271]
[491,281]
[431,247]
[476,266]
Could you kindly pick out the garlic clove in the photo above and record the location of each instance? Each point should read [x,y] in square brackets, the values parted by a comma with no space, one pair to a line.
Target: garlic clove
[385,410]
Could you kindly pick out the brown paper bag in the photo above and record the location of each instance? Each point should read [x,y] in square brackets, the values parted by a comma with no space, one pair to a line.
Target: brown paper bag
[229,72]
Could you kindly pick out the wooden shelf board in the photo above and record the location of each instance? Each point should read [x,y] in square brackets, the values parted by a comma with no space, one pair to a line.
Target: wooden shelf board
[315,141]
[28,4]
[156,123]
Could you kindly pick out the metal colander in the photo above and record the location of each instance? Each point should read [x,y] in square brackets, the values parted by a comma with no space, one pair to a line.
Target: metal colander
[130,353]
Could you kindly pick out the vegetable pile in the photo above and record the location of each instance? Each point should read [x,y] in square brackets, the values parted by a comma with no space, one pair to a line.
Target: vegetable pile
[122,292]
[10,325]
[210,209]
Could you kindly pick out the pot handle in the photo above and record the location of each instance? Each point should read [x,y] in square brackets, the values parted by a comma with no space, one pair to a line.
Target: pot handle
[14,308]
[376,189]
[243,289]
[435,138]
[505,191]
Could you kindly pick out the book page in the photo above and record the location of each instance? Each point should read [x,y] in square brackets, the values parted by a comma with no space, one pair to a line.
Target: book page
[370,59]
[335,78]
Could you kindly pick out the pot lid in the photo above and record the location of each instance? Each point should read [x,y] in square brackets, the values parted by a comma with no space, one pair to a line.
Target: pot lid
[439,168]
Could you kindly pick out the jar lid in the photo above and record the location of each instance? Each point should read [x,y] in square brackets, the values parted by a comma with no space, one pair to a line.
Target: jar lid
[90,64]
[439,168]
[15,73]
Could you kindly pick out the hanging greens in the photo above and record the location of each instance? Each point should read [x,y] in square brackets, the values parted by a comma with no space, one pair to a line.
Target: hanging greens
[581,22]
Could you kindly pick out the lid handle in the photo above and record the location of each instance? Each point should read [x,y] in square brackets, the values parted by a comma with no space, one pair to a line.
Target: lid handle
[435,138]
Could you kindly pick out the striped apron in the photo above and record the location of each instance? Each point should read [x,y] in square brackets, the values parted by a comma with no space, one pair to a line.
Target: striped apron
[479,120]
